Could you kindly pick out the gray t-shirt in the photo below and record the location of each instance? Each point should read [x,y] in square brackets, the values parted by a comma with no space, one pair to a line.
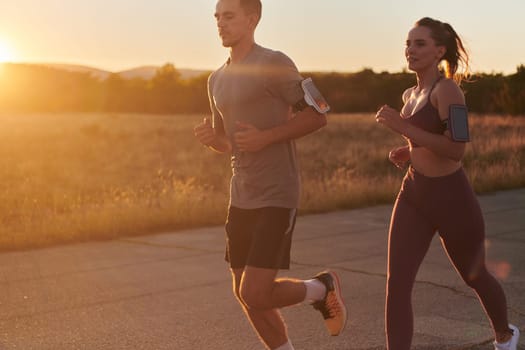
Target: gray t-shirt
[260,90]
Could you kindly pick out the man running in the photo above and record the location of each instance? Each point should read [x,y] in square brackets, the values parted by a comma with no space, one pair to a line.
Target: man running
[258,109]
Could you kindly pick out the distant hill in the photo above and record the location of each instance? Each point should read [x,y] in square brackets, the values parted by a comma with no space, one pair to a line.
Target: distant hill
[144,72]
[147,72]
[99,73]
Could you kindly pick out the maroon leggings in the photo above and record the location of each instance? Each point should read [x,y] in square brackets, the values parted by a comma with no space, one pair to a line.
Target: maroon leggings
[425,205]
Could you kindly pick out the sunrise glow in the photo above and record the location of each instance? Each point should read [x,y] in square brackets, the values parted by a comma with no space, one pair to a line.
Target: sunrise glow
[6,52]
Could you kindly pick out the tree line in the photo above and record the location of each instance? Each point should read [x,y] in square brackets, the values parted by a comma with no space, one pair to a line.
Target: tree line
[34,88]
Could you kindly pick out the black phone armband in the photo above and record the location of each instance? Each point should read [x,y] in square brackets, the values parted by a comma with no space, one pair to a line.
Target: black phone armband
[457,123]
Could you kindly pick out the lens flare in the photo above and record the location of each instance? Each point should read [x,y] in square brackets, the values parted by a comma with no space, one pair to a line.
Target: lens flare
[500,269]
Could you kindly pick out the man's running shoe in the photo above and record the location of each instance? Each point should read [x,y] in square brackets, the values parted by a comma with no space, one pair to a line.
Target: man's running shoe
[332,306]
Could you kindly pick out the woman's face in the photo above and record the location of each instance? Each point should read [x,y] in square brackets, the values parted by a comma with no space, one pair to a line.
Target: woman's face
[421,50]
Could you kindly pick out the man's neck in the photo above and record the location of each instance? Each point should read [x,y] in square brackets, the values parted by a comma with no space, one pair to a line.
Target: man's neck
[241,50]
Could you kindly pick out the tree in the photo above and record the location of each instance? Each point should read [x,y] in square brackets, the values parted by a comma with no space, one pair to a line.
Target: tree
[165,90]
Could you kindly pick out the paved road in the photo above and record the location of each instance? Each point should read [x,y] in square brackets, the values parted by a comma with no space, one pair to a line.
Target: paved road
[172,291]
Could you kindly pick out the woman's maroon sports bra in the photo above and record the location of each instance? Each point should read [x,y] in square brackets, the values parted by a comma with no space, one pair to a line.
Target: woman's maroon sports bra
[427,118]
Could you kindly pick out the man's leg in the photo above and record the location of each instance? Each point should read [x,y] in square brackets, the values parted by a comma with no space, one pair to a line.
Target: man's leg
[259,243]
[240,228]
[261,297]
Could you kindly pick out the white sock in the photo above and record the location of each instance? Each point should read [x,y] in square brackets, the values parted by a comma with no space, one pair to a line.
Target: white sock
[502,346]
[287,346]
[315,290]
[507,344]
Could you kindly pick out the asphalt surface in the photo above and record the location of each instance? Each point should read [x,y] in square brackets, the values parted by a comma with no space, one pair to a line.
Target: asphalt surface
[173,290]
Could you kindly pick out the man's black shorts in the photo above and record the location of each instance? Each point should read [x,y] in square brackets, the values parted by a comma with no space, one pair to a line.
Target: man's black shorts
[259,237]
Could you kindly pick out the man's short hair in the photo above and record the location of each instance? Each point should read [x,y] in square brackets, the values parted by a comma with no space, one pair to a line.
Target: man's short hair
[252,6]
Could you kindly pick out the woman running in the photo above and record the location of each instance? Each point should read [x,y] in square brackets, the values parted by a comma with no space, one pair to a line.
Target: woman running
[435,194]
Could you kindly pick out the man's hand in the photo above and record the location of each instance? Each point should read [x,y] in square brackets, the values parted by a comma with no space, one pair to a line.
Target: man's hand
[250,139]
[204,132]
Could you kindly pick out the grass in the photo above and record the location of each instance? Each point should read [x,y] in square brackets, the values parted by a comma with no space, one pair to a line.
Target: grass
[77,177]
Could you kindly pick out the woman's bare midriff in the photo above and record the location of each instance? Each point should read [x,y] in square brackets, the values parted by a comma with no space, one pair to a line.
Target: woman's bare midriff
[430,164]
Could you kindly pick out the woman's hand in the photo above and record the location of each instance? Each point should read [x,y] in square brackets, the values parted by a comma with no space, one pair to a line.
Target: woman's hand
[399,156]
[392,119]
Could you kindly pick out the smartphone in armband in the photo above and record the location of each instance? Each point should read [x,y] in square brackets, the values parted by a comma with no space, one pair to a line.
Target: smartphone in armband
[458,123]
[313,96]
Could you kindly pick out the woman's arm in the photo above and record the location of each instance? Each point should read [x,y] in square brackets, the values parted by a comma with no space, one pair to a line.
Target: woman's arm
[446,93]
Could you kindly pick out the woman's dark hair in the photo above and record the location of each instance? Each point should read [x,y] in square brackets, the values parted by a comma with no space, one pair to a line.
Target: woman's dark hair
[252,6]
[455,55]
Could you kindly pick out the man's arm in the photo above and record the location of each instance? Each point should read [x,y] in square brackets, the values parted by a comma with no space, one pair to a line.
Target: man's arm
[251,139]
[284,82]
[214,138]
[211,132]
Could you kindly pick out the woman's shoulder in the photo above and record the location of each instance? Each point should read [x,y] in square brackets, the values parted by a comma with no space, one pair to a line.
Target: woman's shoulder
[447,92]
[406,94]
[447,86]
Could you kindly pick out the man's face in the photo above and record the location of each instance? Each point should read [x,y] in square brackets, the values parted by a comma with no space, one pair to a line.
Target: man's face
[233,23]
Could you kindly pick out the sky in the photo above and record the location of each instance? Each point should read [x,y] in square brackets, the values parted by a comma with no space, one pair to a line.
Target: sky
[319,35]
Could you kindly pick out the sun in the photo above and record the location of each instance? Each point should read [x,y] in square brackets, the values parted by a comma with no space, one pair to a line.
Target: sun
[6,53]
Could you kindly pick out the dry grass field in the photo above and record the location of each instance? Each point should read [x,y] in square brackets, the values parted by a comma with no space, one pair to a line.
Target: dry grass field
[76,177]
